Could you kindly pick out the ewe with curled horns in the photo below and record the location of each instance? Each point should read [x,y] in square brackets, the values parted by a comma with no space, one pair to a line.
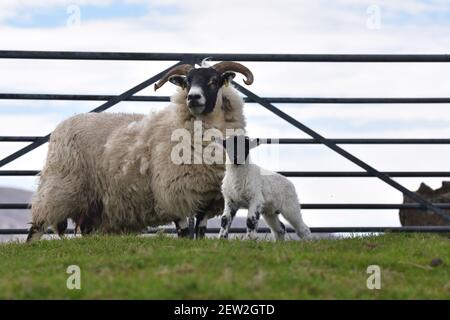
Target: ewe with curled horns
[124,180]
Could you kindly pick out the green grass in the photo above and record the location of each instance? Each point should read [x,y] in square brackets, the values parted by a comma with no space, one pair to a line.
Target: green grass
[161,267]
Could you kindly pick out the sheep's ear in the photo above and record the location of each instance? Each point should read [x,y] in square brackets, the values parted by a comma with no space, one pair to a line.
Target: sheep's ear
[227,77]
[178,80]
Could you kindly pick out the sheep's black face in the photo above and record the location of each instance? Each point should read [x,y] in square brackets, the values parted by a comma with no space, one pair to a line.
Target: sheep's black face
[202,86]
[238,148]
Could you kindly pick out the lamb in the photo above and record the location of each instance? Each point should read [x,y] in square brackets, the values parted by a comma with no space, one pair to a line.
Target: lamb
[114,173]
[260,191]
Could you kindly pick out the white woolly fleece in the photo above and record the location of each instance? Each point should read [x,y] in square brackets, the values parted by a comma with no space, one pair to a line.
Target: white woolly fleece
[121,162]
[268,193]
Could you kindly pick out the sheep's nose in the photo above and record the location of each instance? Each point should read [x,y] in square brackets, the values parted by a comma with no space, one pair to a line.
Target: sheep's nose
[194,96]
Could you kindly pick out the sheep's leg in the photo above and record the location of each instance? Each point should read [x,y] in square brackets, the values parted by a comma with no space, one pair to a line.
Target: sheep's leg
[294,217]
[91,221]
[56,200]
[204,212]
[191,226]
[182,227]
[61,228]
[86,225]
[276,226]
[254,213]
[227,218]
[200,225]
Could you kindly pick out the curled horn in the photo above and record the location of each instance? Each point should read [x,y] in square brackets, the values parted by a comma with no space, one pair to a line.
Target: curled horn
[223,66]
[182,69]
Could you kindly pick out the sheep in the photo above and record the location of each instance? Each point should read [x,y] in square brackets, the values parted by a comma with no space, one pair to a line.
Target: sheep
[260,191]
[114,173]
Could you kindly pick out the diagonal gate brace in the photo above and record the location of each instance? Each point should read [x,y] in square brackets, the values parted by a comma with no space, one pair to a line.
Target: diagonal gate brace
[108,104]
[426,204]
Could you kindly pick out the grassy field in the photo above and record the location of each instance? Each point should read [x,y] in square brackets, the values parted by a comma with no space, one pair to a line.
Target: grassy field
[412,266]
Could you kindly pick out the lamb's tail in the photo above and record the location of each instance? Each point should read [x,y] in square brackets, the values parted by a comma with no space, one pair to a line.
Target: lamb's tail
[294,217]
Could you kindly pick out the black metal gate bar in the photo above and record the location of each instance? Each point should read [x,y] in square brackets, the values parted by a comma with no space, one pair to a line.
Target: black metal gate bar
[344,153]
[267,230]
[146,56]
[19,138]
[316,174]
[353,141]
[309,206]
[106,105]
[362,174]
[291,100]
[290,140]
[36,144]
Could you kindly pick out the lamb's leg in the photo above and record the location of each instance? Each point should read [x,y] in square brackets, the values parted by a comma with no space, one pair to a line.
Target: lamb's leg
[254,213]
[182,227]
[294,217]
[276,226]
[227,218]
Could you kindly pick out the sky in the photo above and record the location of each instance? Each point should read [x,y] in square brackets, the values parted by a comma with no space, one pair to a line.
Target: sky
[343,26]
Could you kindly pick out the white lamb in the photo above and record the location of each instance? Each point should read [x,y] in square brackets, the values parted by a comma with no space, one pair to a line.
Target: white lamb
[246,185]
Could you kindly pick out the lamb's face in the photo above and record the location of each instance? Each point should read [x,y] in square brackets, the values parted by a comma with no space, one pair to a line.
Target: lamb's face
[202,86]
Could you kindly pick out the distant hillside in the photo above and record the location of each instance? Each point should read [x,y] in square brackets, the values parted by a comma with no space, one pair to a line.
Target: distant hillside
[14,218]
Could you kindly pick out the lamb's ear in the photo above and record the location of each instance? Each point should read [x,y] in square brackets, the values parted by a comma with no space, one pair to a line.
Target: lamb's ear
[254,143]
[227,77]
[178,80]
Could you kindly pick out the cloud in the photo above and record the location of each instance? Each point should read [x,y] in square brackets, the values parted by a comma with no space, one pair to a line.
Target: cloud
[24,9]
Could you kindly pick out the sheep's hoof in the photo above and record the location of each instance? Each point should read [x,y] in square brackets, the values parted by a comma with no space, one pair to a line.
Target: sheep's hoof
[223,236]
[61,228]
[87,225]
[200,232]
[183,233]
